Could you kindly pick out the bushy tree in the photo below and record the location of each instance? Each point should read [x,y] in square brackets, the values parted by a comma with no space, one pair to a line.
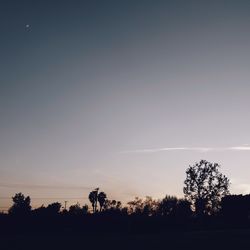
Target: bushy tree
[85,209]
[147,206]
[205,186]
[183,209]
[168,206]
[75,209]
[53,208]
[21,205]
[150,206]
[135,206]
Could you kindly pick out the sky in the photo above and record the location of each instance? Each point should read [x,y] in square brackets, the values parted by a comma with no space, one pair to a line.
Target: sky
[121,95]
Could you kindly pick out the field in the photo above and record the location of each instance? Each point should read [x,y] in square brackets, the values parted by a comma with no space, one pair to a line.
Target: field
[226,239]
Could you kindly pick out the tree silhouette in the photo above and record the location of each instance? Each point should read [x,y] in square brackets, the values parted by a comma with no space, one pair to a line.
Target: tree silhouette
[21,205]
[93,198]
[75,209]
[183,209]
[118,205]
[85,209]
[53,208]
[150,206]
[102,197]
[113,203]
[205,186]
[136,206]
[168,206]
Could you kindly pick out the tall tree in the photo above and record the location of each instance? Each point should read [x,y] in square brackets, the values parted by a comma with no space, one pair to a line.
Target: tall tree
[102,197]
[93,198]
[205,186]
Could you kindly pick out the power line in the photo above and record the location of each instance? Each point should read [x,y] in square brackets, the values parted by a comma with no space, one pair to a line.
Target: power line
[48,198]
[38,186]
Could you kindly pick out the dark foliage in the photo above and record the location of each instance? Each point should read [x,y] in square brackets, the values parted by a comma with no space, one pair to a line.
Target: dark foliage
[21,205]
[205,186]
[206,191]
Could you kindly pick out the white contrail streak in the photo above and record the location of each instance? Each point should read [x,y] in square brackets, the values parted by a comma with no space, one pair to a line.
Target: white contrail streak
[197,149]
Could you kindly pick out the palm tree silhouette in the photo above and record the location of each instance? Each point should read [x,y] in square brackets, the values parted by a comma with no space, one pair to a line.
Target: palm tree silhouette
[102,197]
[93,198]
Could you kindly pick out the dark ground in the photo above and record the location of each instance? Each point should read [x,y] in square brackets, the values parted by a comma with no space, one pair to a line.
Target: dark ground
[220,239]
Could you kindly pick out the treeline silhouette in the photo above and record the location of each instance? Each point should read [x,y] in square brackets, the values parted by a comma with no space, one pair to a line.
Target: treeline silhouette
[207,204]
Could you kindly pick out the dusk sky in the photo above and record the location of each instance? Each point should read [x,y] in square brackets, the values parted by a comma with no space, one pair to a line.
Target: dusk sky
[121,95]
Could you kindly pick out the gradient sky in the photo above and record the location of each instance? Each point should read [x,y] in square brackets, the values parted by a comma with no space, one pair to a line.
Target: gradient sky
[122,95]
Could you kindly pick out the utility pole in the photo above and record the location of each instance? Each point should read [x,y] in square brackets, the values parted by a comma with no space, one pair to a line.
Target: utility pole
[65,205]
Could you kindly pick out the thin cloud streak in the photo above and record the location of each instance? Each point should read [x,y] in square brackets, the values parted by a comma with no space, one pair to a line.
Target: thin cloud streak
[37,186]
[196,149]
[241,148]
